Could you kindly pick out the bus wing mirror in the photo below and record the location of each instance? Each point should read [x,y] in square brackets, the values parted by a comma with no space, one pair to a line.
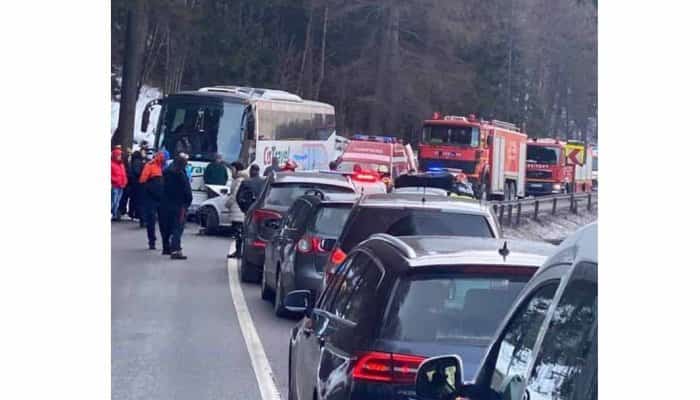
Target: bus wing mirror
[146,116]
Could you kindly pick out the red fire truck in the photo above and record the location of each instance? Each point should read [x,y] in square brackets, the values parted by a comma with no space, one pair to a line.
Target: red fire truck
[555,166]
[490,153]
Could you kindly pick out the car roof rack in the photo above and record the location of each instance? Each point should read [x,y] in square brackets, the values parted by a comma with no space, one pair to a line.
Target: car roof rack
[399,244]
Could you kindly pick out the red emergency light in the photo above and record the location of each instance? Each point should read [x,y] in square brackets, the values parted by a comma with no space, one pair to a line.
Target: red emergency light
[365,176]
[437,115]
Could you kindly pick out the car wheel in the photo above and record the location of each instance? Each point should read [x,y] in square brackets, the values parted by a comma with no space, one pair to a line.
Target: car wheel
[211,220]
[265,291]
[291,387]
[280,311]
[246,273]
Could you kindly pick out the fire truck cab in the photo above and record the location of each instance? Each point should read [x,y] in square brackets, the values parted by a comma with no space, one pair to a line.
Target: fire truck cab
[558,167]
[381,155]
[490,153]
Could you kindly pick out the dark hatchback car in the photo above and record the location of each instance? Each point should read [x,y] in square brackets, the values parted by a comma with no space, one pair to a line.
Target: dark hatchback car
[547,346]
[409,214]
[264,216]
[296,254]
[399,301]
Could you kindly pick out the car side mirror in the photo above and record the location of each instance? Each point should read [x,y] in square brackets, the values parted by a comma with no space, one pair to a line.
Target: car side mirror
[327,244]
[298,301]
[439,378]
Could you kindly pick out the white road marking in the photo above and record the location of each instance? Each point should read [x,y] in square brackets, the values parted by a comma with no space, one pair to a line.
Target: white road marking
[256,351]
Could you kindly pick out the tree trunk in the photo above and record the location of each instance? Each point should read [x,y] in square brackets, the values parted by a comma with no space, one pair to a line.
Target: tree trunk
[307,50]
[131,73]
[322,62]
[382,110]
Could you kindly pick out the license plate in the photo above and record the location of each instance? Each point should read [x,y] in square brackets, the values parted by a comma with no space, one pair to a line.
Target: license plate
[536,185]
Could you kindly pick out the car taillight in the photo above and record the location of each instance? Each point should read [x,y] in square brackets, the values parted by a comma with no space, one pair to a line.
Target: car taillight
[262,214]
[304,245]
[259,243]
[308,244]
[386,367]
[338,256]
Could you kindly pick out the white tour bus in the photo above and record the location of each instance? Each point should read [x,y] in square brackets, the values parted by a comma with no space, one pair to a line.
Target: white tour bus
[243,124]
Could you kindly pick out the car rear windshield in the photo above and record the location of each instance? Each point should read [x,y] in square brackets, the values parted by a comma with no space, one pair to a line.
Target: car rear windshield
[284,194]
[329,220]
[453,308]
[410,222]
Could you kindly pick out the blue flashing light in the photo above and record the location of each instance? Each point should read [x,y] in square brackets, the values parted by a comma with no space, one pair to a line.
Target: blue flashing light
[372,138]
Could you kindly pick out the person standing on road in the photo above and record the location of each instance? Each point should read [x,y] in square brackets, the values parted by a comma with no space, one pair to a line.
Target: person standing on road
[152,180]
[135,202]
[119,181]
[216,172]
[274,167]
[177,197]
[239,175]
[249,191]
[126,193]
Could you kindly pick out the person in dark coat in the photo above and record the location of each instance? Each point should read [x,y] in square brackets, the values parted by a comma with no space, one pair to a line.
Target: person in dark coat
[126,193]
[136,190]
[249,191]
[274,167]
[151,180]
[177,197]
[216,173]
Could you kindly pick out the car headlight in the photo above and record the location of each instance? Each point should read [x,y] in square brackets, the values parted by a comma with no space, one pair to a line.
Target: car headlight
[556,186]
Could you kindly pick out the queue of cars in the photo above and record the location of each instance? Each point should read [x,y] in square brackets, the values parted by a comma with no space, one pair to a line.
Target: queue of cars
[413,286]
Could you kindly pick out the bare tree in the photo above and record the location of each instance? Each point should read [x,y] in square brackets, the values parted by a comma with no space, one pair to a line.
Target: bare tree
[137,26]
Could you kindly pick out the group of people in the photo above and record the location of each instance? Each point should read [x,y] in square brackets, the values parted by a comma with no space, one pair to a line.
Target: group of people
[152,188]
[159,190]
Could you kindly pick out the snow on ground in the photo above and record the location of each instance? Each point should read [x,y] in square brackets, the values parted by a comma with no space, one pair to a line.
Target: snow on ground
[148,93]
[550,228]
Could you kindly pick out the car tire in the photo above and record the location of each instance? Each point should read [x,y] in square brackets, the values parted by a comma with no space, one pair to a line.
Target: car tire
[211,220]
[265,291]
[291,387]
[280,311]
[246,273]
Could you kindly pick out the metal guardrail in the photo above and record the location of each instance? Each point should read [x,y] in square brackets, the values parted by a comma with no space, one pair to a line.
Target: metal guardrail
[512,212]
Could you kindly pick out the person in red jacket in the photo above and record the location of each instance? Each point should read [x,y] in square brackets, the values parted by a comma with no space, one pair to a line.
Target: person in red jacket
[119,181]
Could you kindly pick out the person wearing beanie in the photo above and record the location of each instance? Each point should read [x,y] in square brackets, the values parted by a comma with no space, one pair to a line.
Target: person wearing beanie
[119,181]
[151,180]
[177,197]
[135,201]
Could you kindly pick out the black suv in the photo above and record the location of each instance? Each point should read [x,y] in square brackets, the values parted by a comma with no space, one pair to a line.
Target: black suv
[408,214]
[399,301]
[546,347]
[296,254]
[264,216]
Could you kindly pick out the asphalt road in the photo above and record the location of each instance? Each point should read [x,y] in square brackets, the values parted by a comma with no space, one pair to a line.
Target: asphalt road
[175,332]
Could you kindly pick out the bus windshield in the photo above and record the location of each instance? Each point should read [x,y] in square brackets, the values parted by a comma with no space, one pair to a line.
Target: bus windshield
[543,155]
[202,130]
[461,136]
